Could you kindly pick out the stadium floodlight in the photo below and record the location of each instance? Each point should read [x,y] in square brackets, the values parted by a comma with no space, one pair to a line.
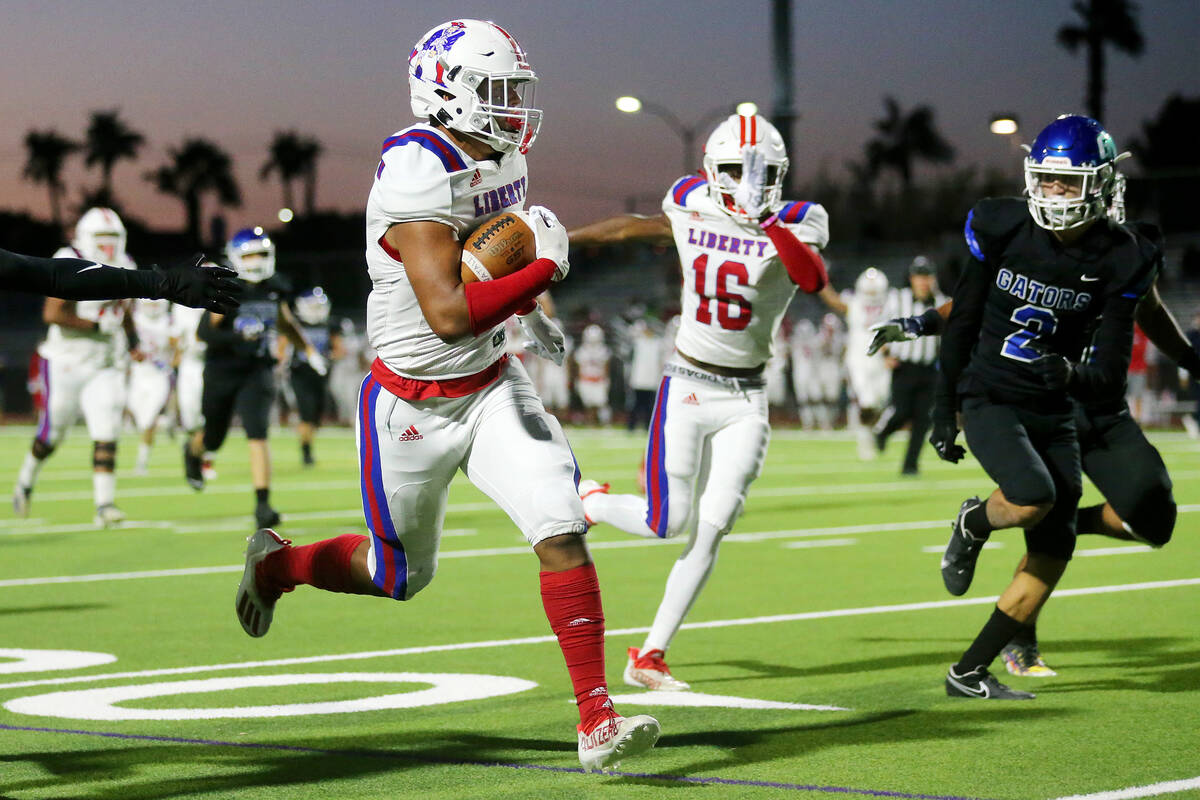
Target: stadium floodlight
[285,215]
[628,104]
[1004,124]
[747,109]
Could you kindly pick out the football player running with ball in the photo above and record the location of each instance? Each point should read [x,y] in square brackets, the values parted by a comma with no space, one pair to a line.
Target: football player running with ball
[743,251]
[442,396]
[1053,275]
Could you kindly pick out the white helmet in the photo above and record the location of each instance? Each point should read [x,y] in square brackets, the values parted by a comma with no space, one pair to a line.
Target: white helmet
[593,334]
[312,307]
[723,155]
[100,236]
[252,253]
[473,76]
[871,287]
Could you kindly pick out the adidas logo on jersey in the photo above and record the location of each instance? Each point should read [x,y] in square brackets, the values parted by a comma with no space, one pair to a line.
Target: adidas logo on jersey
[476,179]
[691,400]
[411,435]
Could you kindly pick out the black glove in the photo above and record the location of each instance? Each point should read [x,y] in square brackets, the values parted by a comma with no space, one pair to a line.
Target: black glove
[942,436]
[902,329]
[1054,370]
[188,283]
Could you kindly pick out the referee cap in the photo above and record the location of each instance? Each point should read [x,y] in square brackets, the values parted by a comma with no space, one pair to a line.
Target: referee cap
[920,266]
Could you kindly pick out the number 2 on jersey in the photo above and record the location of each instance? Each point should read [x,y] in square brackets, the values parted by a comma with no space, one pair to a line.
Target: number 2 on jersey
[1037,323]
[726,300]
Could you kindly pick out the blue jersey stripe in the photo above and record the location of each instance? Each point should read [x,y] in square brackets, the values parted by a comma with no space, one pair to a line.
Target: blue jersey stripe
[794,212]
[435,144]
[685,186]
[972,242]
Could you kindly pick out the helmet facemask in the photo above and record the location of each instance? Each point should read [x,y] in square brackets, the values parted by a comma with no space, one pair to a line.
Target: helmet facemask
[1083,193]
[750,149]
[252,253]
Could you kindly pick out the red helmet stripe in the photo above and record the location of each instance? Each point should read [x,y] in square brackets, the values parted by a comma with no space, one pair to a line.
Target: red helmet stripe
[754,129]
[742,131]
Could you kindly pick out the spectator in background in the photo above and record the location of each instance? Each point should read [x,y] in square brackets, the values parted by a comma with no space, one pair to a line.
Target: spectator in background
[803,351]
[645,369]
[775,373]
[1141,402]
[1191,421]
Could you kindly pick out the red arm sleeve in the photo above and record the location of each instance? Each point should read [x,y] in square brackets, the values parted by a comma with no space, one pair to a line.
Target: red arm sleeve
[491,302]
[804,266]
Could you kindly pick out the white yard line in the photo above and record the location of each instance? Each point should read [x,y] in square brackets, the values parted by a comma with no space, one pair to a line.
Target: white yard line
[493,643]
[1152,790]
[819,543]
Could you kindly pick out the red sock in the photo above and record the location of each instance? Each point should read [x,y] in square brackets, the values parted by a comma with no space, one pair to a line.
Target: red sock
[572,603]
[324,565]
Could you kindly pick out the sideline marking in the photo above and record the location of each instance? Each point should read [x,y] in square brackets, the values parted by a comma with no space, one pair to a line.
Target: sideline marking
[701,780]
[1166,787]
[485,644]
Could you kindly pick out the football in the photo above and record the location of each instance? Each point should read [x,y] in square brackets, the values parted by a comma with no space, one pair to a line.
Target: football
[498,247]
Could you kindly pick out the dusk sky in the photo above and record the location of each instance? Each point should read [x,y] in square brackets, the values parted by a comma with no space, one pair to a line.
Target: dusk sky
[236,72]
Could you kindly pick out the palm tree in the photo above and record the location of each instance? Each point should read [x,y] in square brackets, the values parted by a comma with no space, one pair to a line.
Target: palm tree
[293,156]
[1103,22]
[310,151]
[47,153]
[196,168]
[109,140]
[903,139]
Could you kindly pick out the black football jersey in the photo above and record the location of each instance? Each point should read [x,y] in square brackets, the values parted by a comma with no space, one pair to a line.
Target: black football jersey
[1026,294]
[260,301]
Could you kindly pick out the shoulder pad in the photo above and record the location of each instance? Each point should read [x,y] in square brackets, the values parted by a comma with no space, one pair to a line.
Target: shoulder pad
[684,187]
[992,221]
[425,141]
[808,220]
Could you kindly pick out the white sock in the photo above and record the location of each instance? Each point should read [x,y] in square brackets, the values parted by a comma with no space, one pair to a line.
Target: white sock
[30,468]
[687,578]
[143,456]
[104,488]
[624,511]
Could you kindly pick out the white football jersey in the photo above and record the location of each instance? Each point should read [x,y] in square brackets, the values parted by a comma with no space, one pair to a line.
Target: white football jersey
[89,346]
[154,332]
[184,322]
[422,175]
[860,316]
[735,288]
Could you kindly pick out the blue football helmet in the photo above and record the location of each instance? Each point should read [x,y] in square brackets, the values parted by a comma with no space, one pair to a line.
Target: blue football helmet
[252,253]
[1070,173]
[312,307]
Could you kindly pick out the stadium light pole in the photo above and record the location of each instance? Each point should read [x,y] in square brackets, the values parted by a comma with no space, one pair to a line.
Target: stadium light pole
[686,133]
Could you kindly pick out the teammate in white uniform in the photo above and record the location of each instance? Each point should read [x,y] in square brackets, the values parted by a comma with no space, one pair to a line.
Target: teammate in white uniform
[870,379]
[743,253]
[189,352]
[441,396]
[84,359]
[591,374]
[150,373]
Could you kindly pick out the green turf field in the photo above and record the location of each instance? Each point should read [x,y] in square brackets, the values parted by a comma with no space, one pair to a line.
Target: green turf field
[827,594]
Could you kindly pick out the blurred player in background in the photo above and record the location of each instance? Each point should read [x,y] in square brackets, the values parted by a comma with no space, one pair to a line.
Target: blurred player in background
[150,373]
[744,251]
[645,369]
[189,352]
[310,386]
[551,378]
[83,361]
[869,378]
[591,375]
[239,362]
[442,396]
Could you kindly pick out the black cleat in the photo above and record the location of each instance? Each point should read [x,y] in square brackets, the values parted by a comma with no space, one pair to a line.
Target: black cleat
[958,563]
[193,468]
[265,516]
[981,684]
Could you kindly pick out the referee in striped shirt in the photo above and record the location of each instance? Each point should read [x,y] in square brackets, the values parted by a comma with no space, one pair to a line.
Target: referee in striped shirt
[913,364]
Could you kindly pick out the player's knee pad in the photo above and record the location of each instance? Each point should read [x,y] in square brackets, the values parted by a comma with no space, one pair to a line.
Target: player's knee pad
[42,448]
[721,508]
[104,456]
[1153,520]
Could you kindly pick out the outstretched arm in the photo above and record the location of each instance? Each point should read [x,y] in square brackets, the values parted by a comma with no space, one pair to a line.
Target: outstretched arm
[625,228]
[1162,329]
[830,297]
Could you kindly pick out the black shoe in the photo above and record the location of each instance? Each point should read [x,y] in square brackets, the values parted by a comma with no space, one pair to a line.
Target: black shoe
[981,684]
[958,564]
[307,460]
[265,516]
[193,468]
[910,471]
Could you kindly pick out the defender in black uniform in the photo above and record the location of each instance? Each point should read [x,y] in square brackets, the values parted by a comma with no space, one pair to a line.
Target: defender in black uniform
[238,365]
[309,385]
[1048,269]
